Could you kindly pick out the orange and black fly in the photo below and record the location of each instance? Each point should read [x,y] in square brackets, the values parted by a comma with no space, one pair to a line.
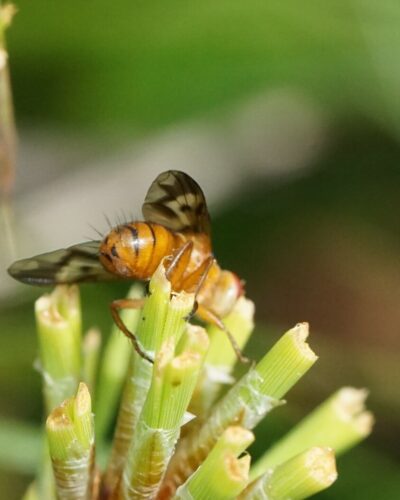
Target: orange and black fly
[176,229]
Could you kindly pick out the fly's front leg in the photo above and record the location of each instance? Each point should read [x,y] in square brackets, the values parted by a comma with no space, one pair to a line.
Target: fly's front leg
[118,305]
[176,268]
[210,317]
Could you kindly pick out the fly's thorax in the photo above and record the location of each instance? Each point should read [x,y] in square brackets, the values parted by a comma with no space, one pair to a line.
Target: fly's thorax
[226,292]
[135,250]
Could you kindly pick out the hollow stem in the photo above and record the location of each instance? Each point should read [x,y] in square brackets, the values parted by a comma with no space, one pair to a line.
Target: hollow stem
[173,382]
[7,125]
[31,492]
[58,321]
[247,402]
[222,475]
[114,367]
[338,423]
[221,357]
[163,317]
[91,354]
[300,477]
[70,434]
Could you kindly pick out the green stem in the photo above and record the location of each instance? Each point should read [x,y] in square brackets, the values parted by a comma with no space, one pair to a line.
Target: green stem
[338,423]
[222,475]
[247,402]
[91,354]
[300,477]
[221,358]
[31,492]
[163,317]
[288,360]
[70,435]
[174,379]
[7,124]
[114,367]
[58,320]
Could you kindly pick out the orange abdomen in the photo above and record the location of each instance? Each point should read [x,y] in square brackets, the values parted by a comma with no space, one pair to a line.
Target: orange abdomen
[136,249]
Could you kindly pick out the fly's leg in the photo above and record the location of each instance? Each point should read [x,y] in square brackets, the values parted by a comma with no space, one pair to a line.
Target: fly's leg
[198,277]
[176,268]
[210,317]
[118,305]
[196,280]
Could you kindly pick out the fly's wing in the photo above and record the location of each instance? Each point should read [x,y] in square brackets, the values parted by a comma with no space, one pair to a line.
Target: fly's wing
[76,264]
[177,202]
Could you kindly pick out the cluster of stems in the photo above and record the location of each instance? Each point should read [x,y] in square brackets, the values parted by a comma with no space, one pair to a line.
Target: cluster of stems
[183,422]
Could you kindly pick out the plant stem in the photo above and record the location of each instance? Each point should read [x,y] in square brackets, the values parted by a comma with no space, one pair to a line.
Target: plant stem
[31,492]
[163,317]
[221,358]
[70,435]
[222,475]
[288,360]
[173,382]
[247,402]
[300,477]
[8,134]
[58,320]
[7,124]
[338,423]
[114,367]
[91,354]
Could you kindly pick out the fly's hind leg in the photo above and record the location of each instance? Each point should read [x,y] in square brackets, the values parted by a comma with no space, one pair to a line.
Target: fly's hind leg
[210,317]
[198,277]
[196,280]
[118,305]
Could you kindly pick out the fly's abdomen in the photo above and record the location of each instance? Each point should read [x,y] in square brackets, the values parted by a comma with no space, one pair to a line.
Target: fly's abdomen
[135,250]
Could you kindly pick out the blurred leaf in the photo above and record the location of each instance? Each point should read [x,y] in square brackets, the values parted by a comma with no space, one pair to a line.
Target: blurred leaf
[20,446]
[354,470]
[147,64]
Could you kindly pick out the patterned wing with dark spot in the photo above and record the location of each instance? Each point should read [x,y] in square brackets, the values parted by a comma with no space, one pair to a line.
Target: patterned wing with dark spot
[177,202]
[76,264]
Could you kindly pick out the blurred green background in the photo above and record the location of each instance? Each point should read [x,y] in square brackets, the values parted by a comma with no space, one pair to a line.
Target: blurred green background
[288,115]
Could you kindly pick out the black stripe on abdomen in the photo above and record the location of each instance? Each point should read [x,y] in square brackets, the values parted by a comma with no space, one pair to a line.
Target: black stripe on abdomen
[135,238]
